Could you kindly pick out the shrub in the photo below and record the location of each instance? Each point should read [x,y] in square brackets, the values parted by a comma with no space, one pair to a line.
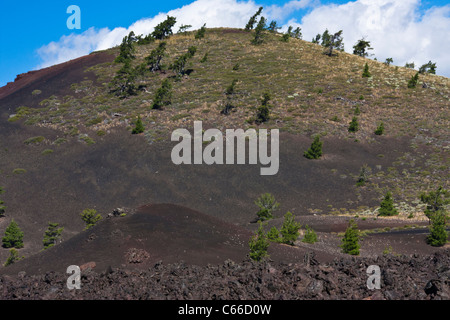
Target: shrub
[274,235]
[363,175]
[258,245]
[285,37]
[438,233]
[47,152]
[354,126]
[229,92]
[315,151]
[19,171]
[139,127]
[310,236]
[13,236]
[380,129]
[412,83]
[13,257]
[350,241]
[263,113]
[289,229]
[201,32]
[34,140]
[90,218]
[435,201]
[205,58]
[387,206]
[366,72]
[267,205]
[51,235]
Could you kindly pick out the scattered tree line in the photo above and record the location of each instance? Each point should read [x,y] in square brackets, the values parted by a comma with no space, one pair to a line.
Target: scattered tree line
[272,27]
[124,83]
[330,41]
[288,233]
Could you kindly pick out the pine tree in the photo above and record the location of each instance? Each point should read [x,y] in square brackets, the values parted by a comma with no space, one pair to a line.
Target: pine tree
[363,175]
[263,112]
[332,42]
[315,151]
[412,83]
[366,72]
[126,49]
[251,22]
[360,48]
[123,84]
[289,229]
[164,29]
[310,235]
[429,67]
[259,244]
[259,32]
[285,37]
[139,127]
[13,257]
[229,92]
[435,201]
[90,218]
[13,236]
[183,28]
[274,235]
[438,233]
[354,126]
[267,205]
[297,33]
[178,66]
[380,129]
[388,61]
[350,241]
[387,206]
[201,32]
[153,60]
[51,235]
[273,26]
[163,95]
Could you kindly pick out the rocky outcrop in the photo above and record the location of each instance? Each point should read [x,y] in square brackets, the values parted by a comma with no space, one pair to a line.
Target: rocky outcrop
[404,277]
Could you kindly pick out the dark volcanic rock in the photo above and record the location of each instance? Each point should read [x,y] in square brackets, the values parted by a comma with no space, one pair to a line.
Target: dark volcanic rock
[403,277]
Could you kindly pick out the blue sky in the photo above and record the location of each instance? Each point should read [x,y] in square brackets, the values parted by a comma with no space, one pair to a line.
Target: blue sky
[27,28]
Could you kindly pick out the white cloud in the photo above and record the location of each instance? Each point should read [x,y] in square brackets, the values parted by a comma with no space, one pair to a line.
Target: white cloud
[215,13]
[394,28]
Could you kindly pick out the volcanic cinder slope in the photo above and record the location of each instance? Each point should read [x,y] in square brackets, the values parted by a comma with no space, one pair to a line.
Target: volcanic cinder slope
[73,139]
